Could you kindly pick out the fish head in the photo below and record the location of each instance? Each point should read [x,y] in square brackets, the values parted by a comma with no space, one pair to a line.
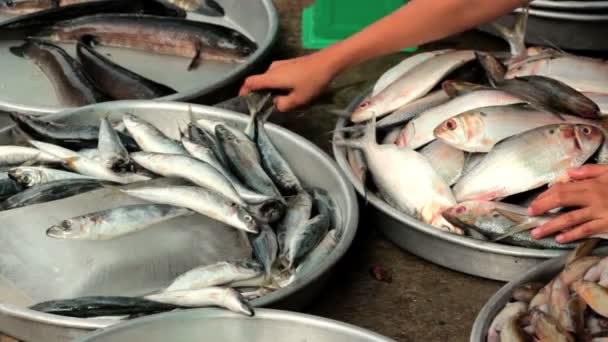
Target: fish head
[369,108]
[238,43]
[25,176]
[588,138]
[225,135]
[254,267]
[237,303]
[468,214]
[268,211]
[68,229]
[463,129]
[245,219]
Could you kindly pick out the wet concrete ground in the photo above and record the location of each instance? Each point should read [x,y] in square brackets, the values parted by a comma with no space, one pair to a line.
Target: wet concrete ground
[424,302]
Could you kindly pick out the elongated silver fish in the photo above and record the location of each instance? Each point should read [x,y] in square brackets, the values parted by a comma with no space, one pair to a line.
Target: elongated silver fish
[445,159]
[412,85]
[150,138]
[113,223]
[409,111]
[211,296]
[32,175]
[111,151]
[265,247]
[319,254]
[221,273]
[480,129]
[407,179]
[16,155]
[305,238]
[8,186]
[298,212]
[419,131]
[601,100]
[86,166]
[528,161]
[199,200]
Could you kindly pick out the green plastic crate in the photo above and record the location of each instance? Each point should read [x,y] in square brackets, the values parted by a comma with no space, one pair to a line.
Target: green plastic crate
[329,21]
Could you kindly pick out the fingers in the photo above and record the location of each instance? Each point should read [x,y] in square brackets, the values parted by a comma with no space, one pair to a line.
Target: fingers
[265,81]
[564,221]
[583,231]
[588,171]
[562,188]
[288,102]
[562,195]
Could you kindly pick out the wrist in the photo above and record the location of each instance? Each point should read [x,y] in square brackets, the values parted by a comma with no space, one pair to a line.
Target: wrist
[334,59]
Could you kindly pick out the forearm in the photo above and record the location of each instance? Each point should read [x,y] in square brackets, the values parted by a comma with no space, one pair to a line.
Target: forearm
[418,22]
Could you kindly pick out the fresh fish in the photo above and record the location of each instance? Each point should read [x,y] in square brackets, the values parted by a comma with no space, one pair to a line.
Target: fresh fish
[480,129]
[29,176]
[113,223]
[17,155]
[525,293]
[576,269]
[115,80]
[305,238]
[91,153]
[50,191]
[206,154]
[150,138]
[512,332]
[581,73]
[208,139]
[495,70]
[594,273]
[111,151]
[325,205]
[412,85]
[510,310]
[211,296]
[558,301]
[244,159]
[548,330]
[528,161]
[601,100]
[206,7]
[17,7]
[471,160]
[594,295]
[489,219]
[445,159]
[86,166]
[72,86]
[199,200]
[391,136]
[217,274]
[582,250]
[299,210]
[265,247]
[409,111]
[407,178]
[69,136]
[419,131]
[458,88]
[102,306]
[8,186]
[573,317]
[515,35]
[541,300]
[319,254]
[171,36]
[408,64]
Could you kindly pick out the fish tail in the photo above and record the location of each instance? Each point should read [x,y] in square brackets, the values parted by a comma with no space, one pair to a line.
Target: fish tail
[515,36]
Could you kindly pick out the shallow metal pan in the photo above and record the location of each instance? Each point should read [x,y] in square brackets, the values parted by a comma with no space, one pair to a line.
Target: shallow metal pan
[34,267]
[24,87]
[570,5]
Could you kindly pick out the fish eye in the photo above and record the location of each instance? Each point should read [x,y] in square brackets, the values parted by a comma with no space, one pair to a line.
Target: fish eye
[248,218]
[495,215]
[451,124]
[66,225]
[551,131]
[586,130]
[365,104]
[9,3]
[27,178]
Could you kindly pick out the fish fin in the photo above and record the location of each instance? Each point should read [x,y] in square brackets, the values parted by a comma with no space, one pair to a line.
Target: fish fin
[359,143]
[20,51]
[494,69]
[515,36]
[267,113]
[516,229]
[511,215]
[196,60]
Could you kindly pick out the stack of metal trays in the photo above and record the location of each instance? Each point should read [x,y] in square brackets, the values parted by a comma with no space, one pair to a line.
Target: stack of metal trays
[578,25]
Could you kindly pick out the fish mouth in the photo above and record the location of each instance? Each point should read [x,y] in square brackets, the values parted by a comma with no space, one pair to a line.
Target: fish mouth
[55,232]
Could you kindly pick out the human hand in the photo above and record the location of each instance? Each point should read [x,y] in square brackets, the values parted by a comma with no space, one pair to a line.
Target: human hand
[587,193]
[304,78]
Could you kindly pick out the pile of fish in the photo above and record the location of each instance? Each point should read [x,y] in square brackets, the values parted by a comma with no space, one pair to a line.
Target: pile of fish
[156,26]
[573,306]
[235,177]
[467,135]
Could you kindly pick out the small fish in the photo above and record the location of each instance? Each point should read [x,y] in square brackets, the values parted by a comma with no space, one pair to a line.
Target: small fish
[17,155]
[51,191]
[29,176]
[409,111]
[445,159]
[221,273]
[206,7]
[412,85]
[265,247]
[72,86]
[319,254]
[102,306]
[510,310]
[112,153]
[299,210]
[594,295]
[202,201]
[8,186]
[113,223]
[576,269]
[207,139]
[211,296]
[548,330]
[525,293]
[115,80]
[528,161]
[512,332]
[150,138]
[304,239]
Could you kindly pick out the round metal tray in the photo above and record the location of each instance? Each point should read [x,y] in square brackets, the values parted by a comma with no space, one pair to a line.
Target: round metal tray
[550,14]
[541,273]
[570,5]
[460,253]
[36,268]
[24,87]
[222,326]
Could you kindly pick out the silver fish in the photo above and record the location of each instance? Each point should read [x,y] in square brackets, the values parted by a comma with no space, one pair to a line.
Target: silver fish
[86,166]
[113,223]
[510,310]
[419,131]
[601,100]
[211,296]
[412,85]
[111,150]
[528,161]
[16,155]
[265,247]
[409,111]
[480,129]
[220,273]
[32,175]
[305,238]
[199,200]
[150,138]
[445,159]
[8,186]
[407,179]
[318,255]
[298,212]
[91,153]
